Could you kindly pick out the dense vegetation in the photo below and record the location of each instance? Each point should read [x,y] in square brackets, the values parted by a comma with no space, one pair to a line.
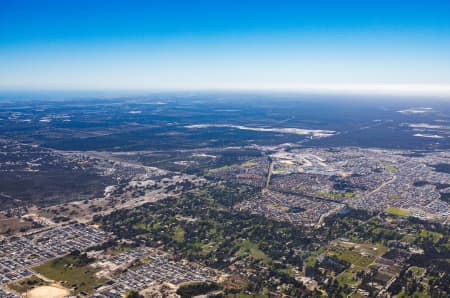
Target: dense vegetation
[270,256]
[204,227]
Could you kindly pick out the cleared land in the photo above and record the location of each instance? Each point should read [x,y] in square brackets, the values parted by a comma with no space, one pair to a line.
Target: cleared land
[24,285]
[48,292]
[12,224]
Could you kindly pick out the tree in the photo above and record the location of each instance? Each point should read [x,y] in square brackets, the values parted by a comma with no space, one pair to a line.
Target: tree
[133,294]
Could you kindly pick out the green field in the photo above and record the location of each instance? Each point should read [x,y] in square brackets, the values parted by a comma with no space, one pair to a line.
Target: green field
[360,255]
[250,163]
[208,248]
[357,295]
[249,248]
[355,258]
[390,167]
[408,238]
[393,196]
[310,261]
[289,270]
[347,278]
[434,235]
[417,271]
[398,211]
[221,169]
[349,194]
[179,235]
[335,195]
[416,294]
[242,295]
[72,272]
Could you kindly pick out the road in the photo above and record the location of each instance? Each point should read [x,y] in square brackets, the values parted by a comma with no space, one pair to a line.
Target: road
[381,186]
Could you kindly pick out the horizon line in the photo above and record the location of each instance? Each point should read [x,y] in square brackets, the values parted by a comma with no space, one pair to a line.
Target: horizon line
[438,90]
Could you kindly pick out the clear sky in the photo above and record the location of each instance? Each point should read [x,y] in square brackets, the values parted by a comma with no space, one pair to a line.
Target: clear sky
[167,44]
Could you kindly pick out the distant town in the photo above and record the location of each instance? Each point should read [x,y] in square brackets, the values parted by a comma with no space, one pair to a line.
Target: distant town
[100,200]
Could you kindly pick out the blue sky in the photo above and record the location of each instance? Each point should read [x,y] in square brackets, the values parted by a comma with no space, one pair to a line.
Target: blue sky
[89,44]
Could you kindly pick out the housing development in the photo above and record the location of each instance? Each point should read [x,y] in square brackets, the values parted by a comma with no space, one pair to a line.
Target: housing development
[28,256]
[170,197]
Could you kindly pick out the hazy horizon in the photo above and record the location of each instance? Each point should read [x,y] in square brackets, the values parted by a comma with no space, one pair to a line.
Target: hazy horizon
[382,47]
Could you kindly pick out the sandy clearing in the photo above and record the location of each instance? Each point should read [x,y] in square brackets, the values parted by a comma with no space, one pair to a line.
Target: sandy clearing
[48,292]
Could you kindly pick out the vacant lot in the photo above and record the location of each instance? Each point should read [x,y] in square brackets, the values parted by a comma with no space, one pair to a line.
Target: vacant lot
[13,224]
[48,292]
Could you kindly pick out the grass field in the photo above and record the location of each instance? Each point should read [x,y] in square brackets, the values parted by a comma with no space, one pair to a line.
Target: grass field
[208,248]
[347,278]
[360,255]
[355,258]
[249,248]
[357,295]
[393,196]
[416,294]
[224,168]
[336,195]
[289,270]
[243,295]
[250,163]
[349,194]
[417,271]
[178,236]
[434,235]
[390,167]
[408,238]
[73,275]
[310,261]
[398,211]
[329,195]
